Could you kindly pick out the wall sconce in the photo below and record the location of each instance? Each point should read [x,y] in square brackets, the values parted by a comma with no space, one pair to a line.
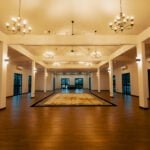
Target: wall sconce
[20,68]
[46,74]
[108,70]
[35,70]
[124,67]
[138,59]
[6,60]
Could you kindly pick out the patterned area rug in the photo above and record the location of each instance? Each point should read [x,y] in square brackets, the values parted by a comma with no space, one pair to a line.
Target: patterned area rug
[73,99]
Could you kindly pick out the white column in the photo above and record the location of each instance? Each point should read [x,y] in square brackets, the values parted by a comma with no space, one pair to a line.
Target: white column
[110,71]
[45,80]
[3,74]
[98,79]
[142,76]
[33,79]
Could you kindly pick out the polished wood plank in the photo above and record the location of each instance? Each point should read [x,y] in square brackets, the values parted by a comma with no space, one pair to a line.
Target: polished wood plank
[123,127]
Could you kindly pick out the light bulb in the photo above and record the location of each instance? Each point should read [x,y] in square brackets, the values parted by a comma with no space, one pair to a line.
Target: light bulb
[131,18]
[13,29]
[14,19]
[24,22]
[110,24]
[30,29]
[7,24]
[24,31]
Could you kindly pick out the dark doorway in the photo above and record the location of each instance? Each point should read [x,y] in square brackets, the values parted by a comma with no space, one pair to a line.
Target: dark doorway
[79,83]
[126,88]
[17,84]
[29,84]
[53,84]
[89,83]
[65,82]
[114,83]
[149,82]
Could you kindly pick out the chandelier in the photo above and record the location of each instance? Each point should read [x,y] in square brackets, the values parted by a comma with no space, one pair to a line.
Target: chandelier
[72,29]
[18,24]
[96,54]
[49,54]
[122,22]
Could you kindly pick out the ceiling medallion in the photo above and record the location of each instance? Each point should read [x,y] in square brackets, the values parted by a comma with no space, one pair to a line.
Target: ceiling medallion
[18,24]
[122,22]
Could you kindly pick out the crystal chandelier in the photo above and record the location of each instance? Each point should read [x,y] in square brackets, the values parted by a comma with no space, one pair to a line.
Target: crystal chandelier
[122,22]
[18,24]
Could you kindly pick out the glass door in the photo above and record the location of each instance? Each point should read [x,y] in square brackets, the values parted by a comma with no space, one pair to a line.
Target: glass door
[79,83]
[29,84]
[114,83]
[54,84]
[17,84]
[65,82]
[89,83]
[126,89]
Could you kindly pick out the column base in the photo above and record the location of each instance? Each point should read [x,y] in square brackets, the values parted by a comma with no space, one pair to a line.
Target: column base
[2,108]
[112,96]
[145,108]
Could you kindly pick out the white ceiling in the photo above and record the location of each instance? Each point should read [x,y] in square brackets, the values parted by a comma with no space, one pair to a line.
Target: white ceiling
[89,15]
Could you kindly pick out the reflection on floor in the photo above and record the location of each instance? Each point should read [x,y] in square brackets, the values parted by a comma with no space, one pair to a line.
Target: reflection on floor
[72,91]
[125,127]
[77,99]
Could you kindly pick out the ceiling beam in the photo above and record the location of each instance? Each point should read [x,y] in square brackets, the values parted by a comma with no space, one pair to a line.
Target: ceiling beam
[3,37]
[26,53]
[144,35]
[121,51]
[117,53]
[76,40]
[102,63]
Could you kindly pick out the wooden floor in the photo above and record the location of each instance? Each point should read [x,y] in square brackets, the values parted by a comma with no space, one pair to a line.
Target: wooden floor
[124,127]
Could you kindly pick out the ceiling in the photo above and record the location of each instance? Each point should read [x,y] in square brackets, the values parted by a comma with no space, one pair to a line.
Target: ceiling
[89,15]
[65,55]
[56,16]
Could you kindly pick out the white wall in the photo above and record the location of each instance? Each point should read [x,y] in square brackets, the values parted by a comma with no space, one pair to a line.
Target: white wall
[94,81]
[12,68]
[104,81]
[132,69]
[72,80]
[39,86]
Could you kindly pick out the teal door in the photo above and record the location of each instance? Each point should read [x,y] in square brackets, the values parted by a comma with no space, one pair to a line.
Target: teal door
[126,88]
[17,84]
[79,83]
[65,82]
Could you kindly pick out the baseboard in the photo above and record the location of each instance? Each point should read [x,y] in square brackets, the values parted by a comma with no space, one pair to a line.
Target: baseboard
[17,95]
[143,108]
[2,108]
[134,95]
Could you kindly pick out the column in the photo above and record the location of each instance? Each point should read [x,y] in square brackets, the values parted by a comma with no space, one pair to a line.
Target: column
[3,73]
[33,79]
[98,79]
[110,70]
[142,76]
[45,80]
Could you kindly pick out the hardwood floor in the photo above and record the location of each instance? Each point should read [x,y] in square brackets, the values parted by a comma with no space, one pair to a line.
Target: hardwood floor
[124,127]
